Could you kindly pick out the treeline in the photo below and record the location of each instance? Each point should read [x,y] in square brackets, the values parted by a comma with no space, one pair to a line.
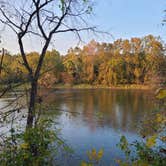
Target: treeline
[135,61]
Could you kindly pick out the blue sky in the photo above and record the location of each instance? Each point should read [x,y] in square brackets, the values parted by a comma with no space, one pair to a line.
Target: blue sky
[128,18]
[121,18]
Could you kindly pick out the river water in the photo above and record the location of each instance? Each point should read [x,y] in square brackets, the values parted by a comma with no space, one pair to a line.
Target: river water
[97,118]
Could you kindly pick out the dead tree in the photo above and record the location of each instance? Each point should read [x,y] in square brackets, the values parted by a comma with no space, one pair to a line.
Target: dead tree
[44,19]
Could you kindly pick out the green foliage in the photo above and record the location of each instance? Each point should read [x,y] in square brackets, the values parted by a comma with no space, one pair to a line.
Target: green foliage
[147,154]
[124,146]
[31,148]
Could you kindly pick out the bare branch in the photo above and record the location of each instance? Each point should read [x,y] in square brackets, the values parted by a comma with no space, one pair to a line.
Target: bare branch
[9,20]
[45,19]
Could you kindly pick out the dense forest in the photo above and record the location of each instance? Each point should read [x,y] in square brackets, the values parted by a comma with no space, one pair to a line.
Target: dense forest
[135,61]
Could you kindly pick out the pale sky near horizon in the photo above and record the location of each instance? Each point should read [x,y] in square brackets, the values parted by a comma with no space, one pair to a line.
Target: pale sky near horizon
[121,18]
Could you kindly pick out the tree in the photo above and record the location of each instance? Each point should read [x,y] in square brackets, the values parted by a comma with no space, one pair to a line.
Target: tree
[44,19]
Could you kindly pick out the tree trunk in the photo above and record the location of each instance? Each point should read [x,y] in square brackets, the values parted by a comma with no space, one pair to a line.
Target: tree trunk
[32,103]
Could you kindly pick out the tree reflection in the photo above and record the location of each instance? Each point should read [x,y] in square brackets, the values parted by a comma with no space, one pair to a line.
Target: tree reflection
[118,109]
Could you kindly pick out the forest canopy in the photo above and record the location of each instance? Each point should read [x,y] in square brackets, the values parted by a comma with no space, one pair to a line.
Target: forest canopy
[135,61]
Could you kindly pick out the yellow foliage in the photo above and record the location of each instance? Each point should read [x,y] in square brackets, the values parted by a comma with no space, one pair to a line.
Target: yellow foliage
[161,94]
[151,141]
[24,146]
[94,155]
[159,118]
[85,164]
[100,153]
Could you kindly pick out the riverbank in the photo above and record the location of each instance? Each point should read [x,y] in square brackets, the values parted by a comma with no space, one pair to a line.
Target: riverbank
[88,86]
[84,86]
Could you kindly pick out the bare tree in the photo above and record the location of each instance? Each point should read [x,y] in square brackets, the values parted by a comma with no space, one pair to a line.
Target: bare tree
[44,19]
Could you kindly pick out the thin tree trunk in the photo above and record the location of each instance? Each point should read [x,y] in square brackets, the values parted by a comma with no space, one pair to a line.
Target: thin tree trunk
[32,103]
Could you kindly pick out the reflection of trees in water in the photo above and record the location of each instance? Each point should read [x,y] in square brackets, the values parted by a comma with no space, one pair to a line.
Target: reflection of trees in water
[119,109]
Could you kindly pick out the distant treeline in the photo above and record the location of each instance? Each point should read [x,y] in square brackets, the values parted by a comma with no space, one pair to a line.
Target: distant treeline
[135,61]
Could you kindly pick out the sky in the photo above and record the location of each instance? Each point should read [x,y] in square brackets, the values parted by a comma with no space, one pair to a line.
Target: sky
[121,18]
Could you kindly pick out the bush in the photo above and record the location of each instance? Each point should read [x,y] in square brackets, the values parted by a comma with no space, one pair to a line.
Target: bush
[30,148]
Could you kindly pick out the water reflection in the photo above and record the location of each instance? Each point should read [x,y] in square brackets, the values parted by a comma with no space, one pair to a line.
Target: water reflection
[118,109]
[97,118]
[94,118]
[12,109]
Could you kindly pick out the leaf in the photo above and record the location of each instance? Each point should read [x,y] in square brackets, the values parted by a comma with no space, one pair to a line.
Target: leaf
[151,141]
[93,155]
[24,146]
[159,118]
[83,163]
[123,143]
[100,154]
[161,94]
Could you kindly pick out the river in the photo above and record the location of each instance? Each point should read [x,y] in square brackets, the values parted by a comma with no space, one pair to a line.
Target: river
[97,118]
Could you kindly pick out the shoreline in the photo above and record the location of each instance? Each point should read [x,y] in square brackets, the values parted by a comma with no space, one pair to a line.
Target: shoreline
[88,86]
